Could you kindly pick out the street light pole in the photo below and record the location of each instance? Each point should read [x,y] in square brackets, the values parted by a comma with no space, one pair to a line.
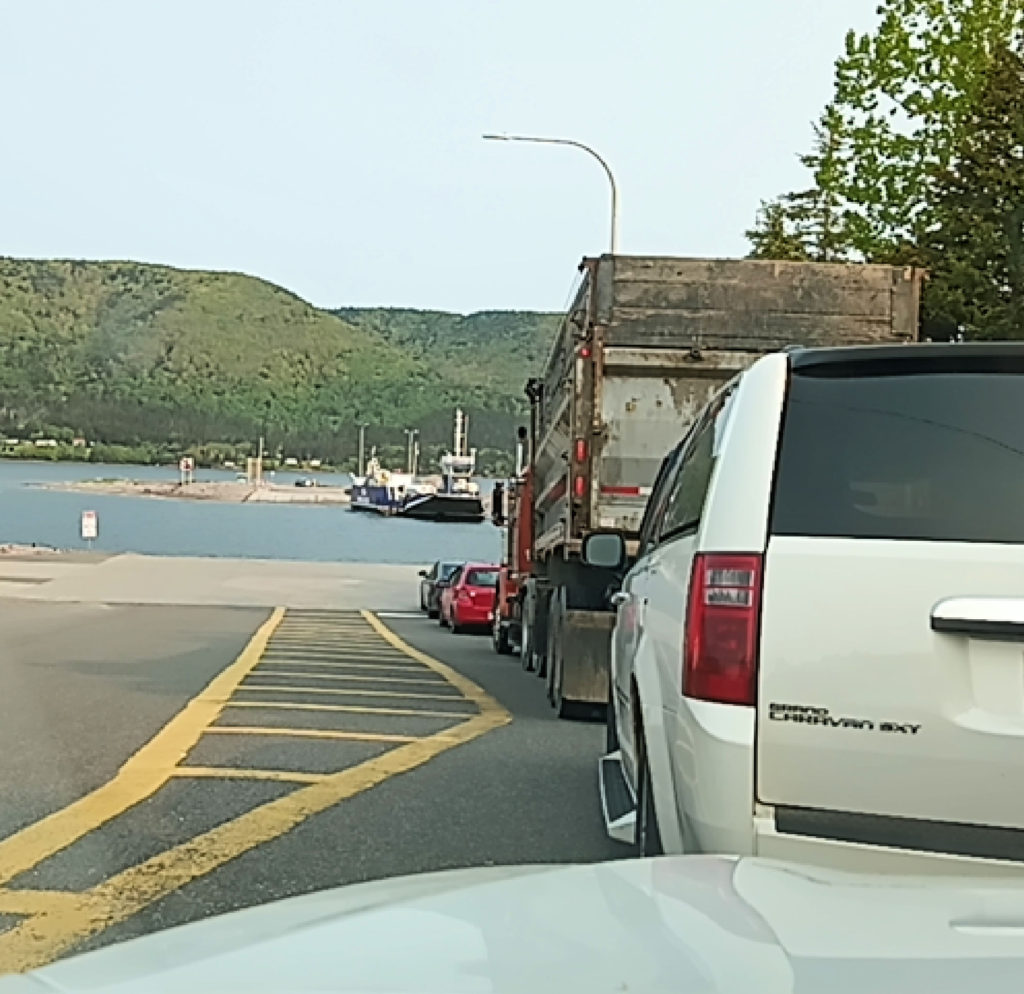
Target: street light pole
[590,152]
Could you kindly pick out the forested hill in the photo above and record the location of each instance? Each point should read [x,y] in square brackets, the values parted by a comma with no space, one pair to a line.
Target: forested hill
[128,353]
[490,349]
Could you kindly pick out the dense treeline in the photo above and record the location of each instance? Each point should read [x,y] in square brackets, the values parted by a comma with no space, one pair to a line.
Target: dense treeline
[919,159]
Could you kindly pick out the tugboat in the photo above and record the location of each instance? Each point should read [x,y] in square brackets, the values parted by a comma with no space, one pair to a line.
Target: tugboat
[382,491]
[402,495]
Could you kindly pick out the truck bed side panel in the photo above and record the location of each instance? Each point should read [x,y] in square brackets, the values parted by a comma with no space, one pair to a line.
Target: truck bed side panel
[758,306]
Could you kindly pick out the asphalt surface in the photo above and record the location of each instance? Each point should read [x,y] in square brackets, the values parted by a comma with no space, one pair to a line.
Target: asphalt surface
[83,686]
[324,692]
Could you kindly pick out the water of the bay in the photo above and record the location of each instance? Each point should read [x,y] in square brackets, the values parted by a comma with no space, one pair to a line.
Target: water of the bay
[176,527]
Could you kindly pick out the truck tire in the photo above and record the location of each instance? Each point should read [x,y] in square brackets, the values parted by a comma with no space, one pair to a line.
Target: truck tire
[556,636]
[499,638]
[526,659]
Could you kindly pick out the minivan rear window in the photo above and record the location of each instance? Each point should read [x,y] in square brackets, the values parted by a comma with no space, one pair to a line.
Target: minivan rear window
[933,456]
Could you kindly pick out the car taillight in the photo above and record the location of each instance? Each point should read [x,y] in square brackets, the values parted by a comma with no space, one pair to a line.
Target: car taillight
[720,654]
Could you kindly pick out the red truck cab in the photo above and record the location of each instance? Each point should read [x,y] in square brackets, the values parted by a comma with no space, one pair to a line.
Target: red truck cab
[512,510]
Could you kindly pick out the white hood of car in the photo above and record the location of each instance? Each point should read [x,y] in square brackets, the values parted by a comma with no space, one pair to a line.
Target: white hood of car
[680,924]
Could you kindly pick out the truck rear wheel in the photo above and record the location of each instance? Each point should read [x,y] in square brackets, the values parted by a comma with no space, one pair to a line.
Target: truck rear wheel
[556,667]
[526,659]
[499,638]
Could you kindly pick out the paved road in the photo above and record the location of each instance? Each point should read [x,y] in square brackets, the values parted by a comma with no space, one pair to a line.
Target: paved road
[330,747]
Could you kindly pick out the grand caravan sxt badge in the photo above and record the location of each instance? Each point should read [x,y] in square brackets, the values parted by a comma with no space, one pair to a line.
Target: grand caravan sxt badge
[806,715]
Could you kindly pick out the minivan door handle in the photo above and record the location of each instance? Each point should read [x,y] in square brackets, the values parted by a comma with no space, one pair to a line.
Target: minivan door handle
[980,617]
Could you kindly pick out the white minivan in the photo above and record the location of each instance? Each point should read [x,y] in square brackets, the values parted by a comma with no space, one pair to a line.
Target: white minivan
[819,650]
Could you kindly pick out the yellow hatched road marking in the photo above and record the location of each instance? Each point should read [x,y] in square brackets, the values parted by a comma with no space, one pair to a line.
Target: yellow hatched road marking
[317,651]
[349,665]
[351,692]
[39,939]
[349,709]
[431,681]
[320,639]
[36,902]
[140,777]
[309,733]
[243,773]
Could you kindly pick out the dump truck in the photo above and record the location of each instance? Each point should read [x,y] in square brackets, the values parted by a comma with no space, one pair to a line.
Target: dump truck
[643,346]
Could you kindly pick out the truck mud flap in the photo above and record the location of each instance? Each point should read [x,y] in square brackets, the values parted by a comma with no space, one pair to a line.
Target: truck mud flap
[586,643]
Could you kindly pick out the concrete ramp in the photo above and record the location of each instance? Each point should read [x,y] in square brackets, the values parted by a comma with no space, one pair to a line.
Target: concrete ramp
[136,579]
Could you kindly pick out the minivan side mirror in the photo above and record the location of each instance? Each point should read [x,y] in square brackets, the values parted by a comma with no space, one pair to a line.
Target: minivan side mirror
[423,573]
[604,549]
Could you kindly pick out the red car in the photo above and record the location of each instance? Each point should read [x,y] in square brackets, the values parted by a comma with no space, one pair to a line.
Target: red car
[467,600]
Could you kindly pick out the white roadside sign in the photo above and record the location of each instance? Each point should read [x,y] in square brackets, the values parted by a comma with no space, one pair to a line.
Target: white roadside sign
[90,525]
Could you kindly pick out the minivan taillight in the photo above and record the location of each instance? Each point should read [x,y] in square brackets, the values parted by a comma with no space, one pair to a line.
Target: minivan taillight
[720,653]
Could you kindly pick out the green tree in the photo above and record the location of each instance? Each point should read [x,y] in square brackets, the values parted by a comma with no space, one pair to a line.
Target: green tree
[774,235]
[809,224]
[976,248]
[903,94]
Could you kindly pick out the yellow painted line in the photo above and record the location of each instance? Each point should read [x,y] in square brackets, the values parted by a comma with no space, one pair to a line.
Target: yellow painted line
[40,939]
[350,692]
[470,690]
[349,709]
[430,681]
[35,902]
[242,773]
[321,638]
[141,776]
[308,648]
[364,636]
[314,644]
[345,664]
[309,733]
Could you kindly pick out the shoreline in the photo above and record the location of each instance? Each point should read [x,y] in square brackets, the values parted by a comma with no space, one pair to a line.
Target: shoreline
[219,491]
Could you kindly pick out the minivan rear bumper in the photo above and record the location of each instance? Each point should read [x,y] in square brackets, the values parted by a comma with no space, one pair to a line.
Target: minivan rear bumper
[853,854]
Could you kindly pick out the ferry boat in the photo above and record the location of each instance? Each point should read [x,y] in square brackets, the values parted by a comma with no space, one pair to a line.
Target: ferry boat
[403,495]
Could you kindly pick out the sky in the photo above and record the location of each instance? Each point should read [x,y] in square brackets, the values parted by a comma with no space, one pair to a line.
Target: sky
[333,146]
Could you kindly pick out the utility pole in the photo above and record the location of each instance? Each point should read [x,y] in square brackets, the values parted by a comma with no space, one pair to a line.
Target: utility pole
[259,463]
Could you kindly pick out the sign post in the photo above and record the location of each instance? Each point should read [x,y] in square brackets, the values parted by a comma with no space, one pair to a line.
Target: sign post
[90,527]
